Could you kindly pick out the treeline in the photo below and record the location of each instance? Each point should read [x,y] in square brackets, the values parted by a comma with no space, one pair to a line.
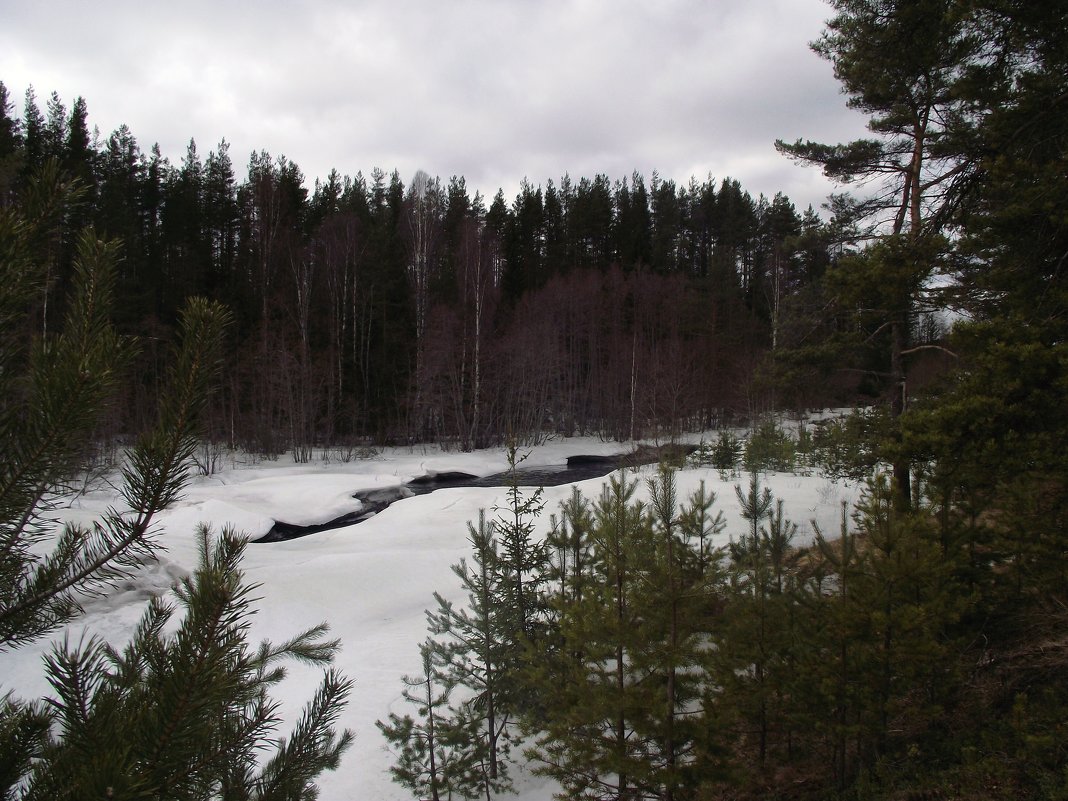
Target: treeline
[368,310]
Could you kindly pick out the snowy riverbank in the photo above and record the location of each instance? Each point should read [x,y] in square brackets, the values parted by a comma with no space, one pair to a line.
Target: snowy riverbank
[370,582]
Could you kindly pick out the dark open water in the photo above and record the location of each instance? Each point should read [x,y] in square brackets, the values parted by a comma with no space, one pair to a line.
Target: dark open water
[578,468]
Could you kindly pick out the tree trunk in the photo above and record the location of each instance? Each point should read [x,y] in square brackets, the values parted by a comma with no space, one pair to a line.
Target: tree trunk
[901,467]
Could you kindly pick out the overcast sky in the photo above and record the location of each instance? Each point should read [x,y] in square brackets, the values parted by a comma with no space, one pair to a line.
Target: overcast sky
[494,90]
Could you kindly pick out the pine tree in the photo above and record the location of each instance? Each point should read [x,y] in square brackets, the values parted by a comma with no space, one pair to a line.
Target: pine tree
[475,648]
[884,613]
[678,589]
[901,64]
[620,684]
[439,755]
[993,434]
[904,596]
[53,397]
[221,218]
[184,714]
[699,526]
[756,505]
[753,654]
[584,737]
[523,560]
[569,548]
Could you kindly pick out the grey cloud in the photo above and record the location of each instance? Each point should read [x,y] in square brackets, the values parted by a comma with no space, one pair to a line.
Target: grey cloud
[492,89]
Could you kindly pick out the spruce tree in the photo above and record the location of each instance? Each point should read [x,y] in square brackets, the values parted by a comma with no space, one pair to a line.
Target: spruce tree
[79,156]
[10,125]
[523,559]
[438,755]
[33,127]
[477,651]
[57,126]
[475,648]
[11,146]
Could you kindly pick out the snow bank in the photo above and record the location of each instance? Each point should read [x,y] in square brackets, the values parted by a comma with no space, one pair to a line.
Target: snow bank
[371,582]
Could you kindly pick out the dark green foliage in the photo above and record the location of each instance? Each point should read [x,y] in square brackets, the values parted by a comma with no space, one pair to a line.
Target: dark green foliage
[365,310]
[698,527]
[770,447]
[724,454]
[897,62]
[585,738]
[477,649]
[185,714]
[23,727]
[11,145]
[756,505]
[180,712]
[32,136]
[900,62]
[991,438]
[621,684]
[55,393]
[849,447]
[919,653]
[754,661]
[884,657]
[568,546]
[441,754]
[522,559]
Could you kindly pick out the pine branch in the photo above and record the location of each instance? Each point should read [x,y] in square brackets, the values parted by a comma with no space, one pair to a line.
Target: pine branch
[313,747]
[183,715]
[156,475]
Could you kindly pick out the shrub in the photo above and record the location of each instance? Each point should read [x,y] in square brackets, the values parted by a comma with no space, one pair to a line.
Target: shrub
[724,454]
[848,447]
[770,447]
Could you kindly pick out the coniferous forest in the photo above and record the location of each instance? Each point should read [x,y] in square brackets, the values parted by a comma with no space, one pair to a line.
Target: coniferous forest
[370,311]
[920,651]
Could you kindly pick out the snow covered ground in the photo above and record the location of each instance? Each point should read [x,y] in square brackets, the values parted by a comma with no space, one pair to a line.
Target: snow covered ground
[371,582]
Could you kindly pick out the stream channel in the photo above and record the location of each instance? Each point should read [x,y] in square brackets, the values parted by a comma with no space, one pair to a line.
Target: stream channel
[578,468]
